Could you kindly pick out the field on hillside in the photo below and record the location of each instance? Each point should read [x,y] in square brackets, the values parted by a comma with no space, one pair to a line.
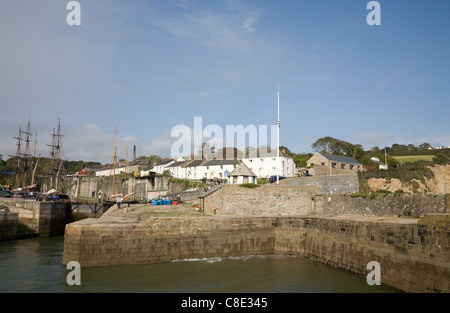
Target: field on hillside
[413,158]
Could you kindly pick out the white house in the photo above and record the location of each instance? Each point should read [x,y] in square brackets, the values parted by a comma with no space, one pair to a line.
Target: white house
[176,169]
[147,171]
[381,165]
[161,167]
[219,169]
[268,164]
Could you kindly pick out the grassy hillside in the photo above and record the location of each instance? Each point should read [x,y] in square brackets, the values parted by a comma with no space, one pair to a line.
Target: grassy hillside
[413,158]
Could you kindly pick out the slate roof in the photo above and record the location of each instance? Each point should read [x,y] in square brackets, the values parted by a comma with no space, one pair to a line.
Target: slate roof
[193,163]
[220,162]
[340,159]
[266,153]
[175,164]
[242,170]
[164,162]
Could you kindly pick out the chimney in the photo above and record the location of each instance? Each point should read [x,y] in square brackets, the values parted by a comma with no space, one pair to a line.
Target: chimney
[134,153]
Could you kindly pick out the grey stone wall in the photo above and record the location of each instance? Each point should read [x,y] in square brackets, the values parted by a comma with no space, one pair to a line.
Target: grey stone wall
[330,184]
[165,239]
[46,218]
[8,224]
[264,200]
[385,205]
[413,254]
[89,187]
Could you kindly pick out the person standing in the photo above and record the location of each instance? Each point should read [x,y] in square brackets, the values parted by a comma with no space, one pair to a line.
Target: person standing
[118,202]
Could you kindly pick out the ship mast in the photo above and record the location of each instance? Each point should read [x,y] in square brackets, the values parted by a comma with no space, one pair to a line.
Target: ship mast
[26,154]
[19,143]
[34,163]
[56,155]
[115,160]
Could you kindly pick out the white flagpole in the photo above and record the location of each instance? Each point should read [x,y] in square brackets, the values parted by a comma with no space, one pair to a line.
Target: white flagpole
[278,139]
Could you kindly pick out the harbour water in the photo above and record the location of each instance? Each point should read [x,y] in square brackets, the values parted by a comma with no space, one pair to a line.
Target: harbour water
[35,266]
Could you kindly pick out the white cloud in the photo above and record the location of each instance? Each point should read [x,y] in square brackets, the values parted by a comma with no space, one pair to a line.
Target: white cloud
[227,26]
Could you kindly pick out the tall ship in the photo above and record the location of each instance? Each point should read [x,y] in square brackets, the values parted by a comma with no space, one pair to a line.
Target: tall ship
[36,177]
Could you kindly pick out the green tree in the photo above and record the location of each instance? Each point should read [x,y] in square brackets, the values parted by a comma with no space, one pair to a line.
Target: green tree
[154,158]
[335,146]
[79,166]
[288,152]
[300,160]
[424,146]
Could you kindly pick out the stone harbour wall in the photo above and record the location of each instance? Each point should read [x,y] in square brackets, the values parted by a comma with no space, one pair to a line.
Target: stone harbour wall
[264,200]
[8,225]
[86,186]
[165,239]
[386,205]
[45,218]
[329,184]
[413,253]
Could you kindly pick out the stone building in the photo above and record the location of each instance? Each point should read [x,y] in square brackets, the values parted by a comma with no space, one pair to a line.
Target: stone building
[327,164]
[242,175]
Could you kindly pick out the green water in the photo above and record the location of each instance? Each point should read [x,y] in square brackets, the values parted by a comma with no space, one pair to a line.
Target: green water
[35,265]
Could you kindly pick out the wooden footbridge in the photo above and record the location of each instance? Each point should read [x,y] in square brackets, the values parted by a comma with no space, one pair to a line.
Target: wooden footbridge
[94,204]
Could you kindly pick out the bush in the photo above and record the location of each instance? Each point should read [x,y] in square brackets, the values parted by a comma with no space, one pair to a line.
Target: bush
[186,183]
[409,171]
[249,185]
[358,194]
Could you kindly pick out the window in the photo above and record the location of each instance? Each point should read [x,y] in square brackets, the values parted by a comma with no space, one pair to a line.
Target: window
[351,166]
[262,160]
[323,163]
[343,166]
[333,165]
[274,159]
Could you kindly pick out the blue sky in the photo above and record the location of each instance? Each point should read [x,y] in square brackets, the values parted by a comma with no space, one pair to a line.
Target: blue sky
[147,66]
